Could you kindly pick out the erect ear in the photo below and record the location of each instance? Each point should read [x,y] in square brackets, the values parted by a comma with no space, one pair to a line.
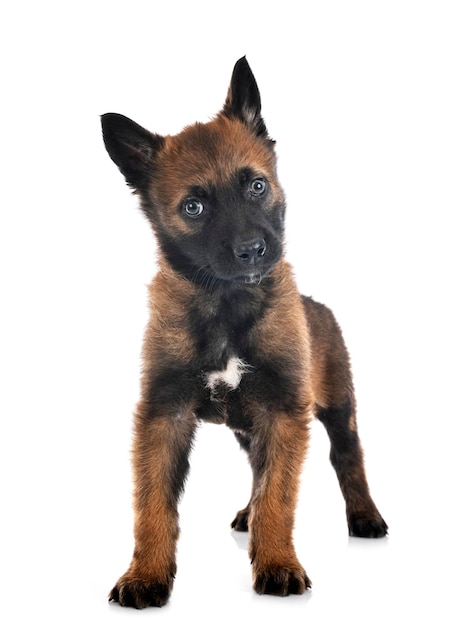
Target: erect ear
[131,147]
[243,99]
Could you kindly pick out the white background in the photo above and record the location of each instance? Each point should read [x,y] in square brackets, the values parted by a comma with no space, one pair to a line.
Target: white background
[362,99]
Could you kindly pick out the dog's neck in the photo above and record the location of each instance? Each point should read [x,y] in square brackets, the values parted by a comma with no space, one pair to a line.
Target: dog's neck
[222,318]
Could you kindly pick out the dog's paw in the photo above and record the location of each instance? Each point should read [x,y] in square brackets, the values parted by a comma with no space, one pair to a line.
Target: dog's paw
[281,581]
[364,526]
[139,594]
[240,522]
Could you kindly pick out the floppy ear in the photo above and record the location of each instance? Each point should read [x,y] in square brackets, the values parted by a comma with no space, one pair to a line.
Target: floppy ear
[243,99]
[131,147]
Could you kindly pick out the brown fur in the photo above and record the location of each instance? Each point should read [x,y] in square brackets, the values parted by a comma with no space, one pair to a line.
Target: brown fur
[205,319]
[272,508]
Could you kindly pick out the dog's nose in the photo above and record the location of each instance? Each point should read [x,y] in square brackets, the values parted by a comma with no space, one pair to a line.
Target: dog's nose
[252,251]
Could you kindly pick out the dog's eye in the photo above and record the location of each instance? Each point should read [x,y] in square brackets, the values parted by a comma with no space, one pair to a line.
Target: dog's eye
[258,186]
[193,207]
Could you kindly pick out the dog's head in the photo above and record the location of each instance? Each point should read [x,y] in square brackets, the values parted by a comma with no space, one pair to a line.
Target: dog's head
[211,192]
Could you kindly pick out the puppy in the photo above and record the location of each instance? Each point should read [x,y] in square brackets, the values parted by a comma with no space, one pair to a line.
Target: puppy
[230,340]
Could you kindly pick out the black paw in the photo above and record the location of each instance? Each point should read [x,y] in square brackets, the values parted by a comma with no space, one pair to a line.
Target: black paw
[240,522]
[360,526]
[281,581]
[139,594]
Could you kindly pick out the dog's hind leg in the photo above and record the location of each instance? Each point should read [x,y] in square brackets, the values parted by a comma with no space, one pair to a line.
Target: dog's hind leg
[336,409]
[346,456]
[160,463]
[277,450]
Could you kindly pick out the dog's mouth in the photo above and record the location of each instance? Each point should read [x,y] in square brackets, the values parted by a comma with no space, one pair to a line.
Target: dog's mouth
[253,277]
[250,278]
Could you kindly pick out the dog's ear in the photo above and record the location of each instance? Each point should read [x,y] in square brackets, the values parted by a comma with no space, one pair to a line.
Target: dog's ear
[131,147]
[243,99]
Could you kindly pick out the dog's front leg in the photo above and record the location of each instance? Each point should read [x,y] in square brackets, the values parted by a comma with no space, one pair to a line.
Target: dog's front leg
[277,451]
[160,463]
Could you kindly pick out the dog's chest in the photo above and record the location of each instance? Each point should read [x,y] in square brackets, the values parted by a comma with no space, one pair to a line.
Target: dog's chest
[230,377]
[222,345]
[222,401]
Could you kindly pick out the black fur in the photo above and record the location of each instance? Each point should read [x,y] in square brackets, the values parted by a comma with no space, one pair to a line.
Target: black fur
[131,147]
[346,456]
[230,340]
[245,100]
[231,216]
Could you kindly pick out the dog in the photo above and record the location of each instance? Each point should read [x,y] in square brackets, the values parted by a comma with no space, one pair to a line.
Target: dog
[230,340]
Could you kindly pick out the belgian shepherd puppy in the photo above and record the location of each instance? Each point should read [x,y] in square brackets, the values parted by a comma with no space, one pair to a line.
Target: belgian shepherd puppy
[230,340]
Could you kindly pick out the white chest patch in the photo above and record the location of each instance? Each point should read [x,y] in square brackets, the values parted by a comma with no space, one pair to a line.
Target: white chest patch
[231,376]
